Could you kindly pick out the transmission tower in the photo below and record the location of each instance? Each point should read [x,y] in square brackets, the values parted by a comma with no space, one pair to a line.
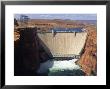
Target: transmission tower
[24,20]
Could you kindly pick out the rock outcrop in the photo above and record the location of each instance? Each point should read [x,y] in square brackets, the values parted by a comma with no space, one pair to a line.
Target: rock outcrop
[88,60]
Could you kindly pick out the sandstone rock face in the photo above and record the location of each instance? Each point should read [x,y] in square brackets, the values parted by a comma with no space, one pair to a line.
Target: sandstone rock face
[88,60]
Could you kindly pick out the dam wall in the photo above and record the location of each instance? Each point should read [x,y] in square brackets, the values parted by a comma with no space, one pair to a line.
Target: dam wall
[63,44]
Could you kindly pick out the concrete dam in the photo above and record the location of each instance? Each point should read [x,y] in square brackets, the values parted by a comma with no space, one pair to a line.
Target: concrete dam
[63,42]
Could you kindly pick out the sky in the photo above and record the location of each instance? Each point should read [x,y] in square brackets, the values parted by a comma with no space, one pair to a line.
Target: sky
[60,16]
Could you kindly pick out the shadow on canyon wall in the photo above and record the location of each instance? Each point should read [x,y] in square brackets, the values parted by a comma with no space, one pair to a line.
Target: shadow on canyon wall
[28,53]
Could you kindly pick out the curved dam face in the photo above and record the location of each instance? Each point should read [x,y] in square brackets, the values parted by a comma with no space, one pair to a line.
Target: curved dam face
[67,44]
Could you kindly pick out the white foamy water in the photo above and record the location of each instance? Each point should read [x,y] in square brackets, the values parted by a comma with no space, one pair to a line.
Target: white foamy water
[70,64]
[53,65]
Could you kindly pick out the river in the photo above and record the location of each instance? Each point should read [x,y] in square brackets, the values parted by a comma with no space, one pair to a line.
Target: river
[60,68]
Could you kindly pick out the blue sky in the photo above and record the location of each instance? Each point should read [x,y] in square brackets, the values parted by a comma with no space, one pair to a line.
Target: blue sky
[60,16]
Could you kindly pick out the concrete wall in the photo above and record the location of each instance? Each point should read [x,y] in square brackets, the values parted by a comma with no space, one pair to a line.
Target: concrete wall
[63,44]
